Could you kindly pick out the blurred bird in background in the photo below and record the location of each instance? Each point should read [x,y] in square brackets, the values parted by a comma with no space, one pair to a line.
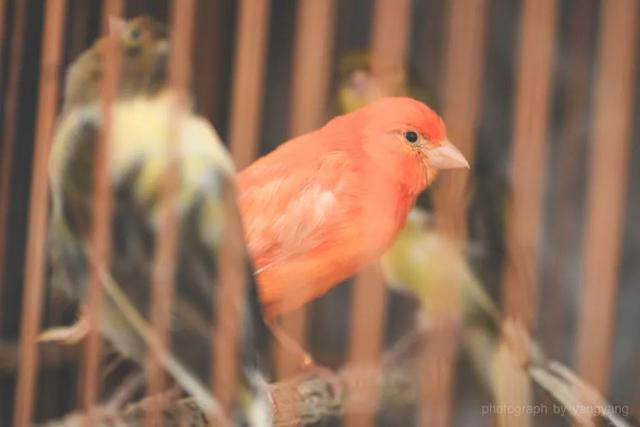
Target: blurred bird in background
[423,263]
[427,265]
[357,86]
[145,48]
[142,120]
[326,204]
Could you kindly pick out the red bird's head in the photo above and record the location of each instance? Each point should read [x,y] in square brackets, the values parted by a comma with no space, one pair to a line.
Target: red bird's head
[406,139]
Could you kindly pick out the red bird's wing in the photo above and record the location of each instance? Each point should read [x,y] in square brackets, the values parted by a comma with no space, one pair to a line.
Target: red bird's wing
[285,214]
[297,216]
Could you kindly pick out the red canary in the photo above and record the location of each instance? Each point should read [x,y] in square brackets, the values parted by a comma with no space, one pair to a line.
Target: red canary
[324,205]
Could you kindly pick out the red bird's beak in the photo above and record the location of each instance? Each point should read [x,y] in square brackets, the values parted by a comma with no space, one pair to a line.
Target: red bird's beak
[446,156]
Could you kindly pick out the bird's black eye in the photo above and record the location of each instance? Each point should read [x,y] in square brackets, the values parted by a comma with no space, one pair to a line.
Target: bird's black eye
[411,136]
[135,34]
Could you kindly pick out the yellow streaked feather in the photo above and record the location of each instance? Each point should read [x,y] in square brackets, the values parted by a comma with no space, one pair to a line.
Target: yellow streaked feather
[141,130]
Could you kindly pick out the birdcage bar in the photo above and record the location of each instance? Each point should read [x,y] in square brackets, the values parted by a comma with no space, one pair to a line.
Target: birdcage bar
[248,80]
[34,268]
[462,84]
[164,263]
[313,44]
[232,281]
[389,44]
[9,130]
[229,306]
[462,79]
[311,72]
[389,47]
[567,163]
[607,183]
[530,136]
[100,238]
[534,69]
[77,13]
[366,335]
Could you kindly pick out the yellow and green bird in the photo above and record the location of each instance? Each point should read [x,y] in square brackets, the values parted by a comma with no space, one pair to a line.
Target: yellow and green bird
[426,264]
[145,118]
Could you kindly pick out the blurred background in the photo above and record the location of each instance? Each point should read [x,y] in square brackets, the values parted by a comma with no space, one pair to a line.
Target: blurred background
[542,97]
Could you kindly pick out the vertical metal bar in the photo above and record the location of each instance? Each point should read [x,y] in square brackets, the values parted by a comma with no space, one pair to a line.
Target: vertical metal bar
[309,98]
[311,65]
[51,384]
[35,257]
[248,80]
[390,44]
[535,54]
[462,84]
[437,369]
[164,268]
[608,165]
[367,326]
[534,71]
[229,303]
[100,238]
[462,80]
[9,124]
[388,65]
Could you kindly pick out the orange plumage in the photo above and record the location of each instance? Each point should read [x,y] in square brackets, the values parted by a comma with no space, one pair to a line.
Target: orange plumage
[324,205]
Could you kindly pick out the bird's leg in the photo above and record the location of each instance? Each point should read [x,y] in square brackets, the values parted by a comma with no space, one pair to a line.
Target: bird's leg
[289,344]
[68,335]
[308,365]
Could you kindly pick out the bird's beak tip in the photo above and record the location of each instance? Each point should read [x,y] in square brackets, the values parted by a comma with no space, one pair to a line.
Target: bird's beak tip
[447,156]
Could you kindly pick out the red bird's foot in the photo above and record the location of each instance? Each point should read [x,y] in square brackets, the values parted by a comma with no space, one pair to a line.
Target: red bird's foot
[290,345]
[307,362]
[329,380]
